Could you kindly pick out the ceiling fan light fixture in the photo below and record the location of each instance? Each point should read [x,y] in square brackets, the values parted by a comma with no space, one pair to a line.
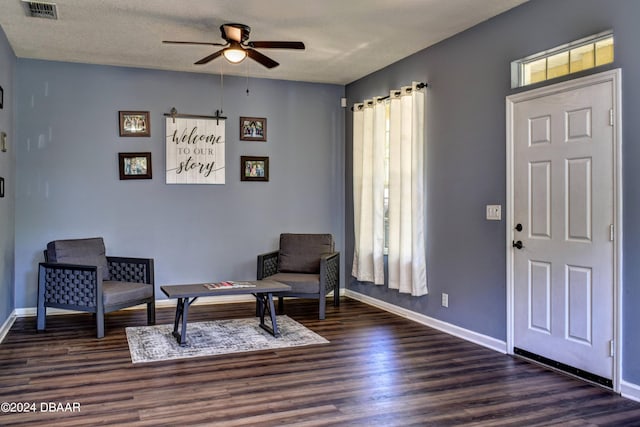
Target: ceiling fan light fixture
[235,55]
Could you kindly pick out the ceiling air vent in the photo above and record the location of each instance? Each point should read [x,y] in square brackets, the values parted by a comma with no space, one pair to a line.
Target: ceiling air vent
[40,9]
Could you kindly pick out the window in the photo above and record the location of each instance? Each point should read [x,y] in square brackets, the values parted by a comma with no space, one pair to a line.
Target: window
[577,56]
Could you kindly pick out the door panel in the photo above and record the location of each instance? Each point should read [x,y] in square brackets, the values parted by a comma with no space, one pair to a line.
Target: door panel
[578,202]
[540,296]
[540,203]
[578,286]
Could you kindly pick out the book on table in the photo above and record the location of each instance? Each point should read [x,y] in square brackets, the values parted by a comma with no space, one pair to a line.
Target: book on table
[229,285]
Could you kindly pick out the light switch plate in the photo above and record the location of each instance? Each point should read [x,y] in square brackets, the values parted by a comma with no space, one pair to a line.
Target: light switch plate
[494,212]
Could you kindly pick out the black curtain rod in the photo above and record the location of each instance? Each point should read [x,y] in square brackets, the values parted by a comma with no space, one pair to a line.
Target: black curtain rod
[174,113]
[418,86]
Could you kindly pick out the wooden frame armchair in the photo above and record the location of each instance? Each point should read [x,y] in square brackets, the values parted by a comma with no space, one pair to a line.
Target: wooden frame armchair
[306,262]
[77,275]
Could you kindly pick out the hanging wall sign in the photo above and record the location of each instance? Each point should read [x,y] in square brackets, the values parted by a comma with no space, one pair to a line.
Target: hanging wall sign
[195,150]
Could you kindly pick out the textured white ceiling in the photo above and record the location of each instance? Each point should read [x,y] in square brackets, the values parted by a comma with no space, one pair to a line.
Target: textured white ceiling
[345,39]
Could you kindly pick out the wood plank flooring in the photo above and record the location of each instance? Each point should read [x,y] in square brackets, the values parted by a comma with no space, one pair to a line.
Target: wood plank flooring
[378,370]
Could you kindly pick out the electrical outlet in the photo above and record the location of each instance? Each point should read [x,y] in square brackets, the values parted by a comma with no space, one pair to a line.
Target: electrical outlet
[445,300]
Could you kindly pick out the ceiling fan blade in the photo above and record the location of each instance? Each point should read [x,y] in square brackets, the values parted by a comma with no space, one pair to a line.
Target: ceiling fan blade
[209,58]
[203,43]
[276,45]
[264,60]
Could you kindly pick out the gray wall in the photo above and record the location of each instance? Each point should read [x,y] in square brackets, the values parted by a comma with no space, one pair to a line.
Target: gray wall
[7,171]
[468,77]
[68,184]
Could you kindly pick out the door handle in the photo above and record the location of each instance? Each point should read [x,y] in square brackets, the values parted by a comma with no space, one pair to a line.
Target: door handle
[517,245]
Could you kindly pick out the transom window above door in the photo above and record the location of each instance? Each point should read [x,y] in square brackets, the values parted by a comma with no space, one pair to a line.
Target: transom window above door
[583,54]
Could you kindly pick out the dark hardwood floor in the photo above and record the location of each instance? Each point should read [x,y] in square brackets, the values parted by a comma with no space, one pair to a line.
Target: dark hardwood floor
[378,370]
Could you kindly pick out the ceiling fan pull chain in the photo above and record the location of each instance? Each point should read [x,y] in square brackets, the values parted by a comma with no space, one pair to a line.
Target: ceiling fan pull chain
[221,88]
[247,78]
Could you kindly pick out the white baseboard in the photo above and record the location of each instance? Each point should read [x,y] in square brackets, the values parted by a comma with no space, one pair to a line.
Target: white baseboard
[32,311]
[630,391]
[474,337]
[6,326]
[161,303]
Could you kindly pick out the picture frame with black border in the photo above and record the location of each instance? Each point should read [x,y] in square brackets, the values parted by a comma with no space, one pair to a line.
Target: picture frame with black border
[134,123]
[253,129]
[135,165]
[254,168]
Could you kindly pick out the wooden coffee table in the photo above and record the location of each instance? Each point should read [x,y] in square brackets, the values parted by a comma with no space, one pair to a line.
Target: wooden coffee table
[263,290]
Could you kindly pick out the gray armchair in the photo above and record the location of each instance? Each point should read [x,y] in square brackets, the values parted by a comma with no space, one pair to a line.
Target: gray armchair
[77,275]
[306,262]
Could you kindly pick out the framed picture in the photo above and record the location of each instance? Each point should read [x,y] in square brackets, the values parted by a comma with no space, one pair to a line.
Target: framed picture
[135,165]
[1,98]
[253,129]
[134,123]
[254,168]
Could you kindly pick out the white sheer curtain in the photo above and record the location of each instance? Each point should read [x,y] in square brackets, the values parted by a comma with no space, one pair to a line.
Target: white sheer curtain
[406,215]
[369,133]
[407,255]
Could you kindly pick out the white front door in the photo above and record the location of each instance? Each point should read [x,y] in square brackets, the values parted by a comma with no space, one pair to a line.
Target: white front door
[563,218]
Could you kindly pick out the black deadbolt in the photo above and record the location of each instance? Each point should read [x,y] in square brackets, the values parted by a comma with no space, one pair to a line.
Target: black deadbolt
[519,227]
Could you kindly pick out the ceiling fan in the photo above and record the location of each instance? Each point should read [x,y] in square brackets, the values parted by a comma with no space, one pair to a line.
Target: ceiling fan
[237,46]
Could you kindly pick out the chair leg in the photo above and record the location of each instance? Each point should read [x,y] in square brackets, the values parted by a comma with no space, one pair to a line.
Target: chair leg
[41,321]
[42,317]
[281,305]
[336,297]
[151,313]
[100,322]
[322,308]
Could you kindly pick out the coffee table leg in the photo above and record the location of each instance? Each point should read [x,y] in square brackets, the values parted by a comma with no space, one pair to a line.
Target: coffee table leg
[272,311]
[260,298]
[178,316]
[182,310]
[263,300]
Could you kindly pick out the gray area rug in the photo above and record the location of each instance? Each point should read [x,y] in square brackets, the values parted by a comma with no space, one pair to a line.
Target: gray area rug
[155,343]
